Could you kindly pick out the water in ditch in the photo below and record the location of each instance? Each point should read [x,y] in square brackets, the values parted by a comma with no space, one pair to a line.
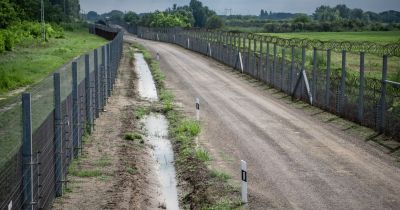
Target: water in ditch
[146,86]
[156,126]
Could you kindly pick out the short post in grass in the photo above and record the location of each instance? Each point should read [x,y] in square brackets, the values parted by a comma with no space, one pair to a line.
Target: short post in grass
[244,180]
[198,109]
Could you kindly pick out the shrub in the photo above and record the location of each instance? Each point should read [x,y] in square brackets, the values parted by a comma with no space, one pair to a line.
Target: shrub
[2,46]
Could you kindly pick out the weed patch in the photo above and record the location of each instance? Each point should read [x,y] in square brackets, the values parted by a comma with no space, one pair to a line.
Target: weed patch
[132,136]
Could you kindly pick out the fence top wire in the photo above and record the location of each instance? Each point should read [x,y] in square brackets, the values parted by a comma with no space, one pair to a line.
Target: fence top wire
[390,49]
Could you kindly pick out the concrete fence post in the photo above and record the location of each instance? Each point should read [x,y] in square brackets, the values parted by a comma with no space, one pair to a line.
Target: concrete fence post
[58,157]
[27,152]
[75,110]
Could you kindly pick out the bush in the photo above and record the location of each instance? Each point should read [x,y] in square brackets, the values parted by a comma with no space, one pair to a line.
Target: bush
[2,46]
[26,31]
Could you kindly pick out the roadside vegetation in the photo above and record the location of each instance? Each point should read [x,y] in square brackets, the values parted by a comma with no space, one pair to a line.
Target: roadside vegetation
[32,61]
[203,188]
[30,50]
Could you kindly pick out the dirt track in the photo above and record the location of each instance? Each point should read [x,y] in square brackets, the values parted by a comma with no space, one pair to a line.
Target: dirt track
[294,161]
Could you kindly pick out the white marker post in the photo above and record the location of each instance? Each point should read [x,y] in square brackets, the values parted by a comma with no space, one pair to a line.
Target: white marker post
[244,180]
[10,205]
[198,109]
[158,56]
[158,38]
[188,43]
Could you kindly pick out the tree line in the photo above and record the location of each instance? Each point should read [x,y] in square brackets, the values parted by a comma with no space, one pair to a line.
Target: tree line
[56,11]
[324,19]
[193,15]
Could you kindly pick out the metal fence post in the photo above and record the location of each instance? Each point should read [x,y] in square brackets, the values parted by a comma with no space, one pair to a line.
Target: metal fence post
[292,70]
[96,83]
[27,151]
[75,109]
[361,90]
[103,77]
[254,69]
[267,66]
[328,78]
[382,103]
[282,68]
[339,108]
[314,74]
[274,67]
[88,92]
[260,62]
[248,54]
[58,157]
[303,68]
[109,69]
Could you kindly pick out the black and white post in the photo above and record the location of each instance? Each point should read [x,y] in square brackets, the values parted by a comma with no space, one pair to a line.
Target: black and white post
[244,180]
[197,109]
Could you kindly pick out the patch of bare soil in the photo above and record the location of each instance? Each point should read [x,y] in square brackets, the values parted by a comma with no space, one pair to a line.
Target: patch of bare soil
[114,173]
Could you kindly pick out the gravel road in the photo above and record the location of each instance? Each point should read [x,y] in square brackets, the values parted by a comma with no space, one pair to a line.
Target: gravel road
[294,161]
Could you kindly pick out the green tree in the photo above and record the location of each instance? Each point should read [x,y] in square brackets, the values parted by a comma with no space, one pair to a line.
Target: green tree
[92,15]
[214,22]
[7,13]
[131,18]
[301,18]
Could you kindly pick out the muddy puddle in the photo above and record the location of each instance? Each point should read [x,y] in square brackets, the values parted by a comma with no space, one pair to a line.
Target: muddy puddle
[147,87]
[156,126]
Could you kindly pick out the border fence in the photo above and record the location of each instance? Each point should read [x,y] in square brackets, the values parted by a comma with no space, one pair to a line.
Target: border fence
[350,79]
[41,131]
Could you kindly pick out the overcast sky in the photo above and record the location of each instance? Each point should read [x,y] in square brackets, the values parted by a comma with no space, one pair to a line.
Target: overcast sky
[238,6]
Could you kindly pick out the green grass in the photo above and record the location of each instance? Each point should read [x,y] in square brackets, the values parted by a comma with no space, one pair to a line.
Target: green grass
[202,155]
[75,170]
[220,175]
[103,162]
[132,170]
[29,64]
[371,36]
[142,111]
[132,136]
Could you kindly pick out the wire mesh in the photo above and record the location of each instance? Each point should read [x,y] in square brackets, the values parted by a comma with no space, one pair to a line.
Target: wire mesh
[44,157]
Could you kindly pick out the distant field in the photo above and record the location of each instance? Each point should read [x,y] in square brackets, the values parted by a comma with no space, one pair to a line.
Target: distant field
[372,36]
[30,63]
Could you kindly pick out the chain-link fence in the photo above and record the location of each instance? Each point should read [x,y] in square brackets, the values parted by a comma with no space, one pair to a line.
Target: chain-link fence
[350,79]
[42,133]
